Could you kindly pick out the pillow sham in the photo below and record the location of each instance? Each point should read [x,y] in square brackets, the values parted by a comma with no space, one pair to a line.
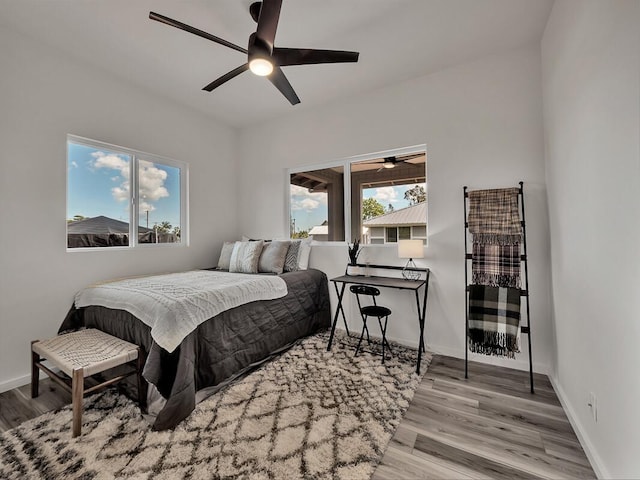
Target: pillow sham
[273,257]
[245,257]
[291,260]
[303,253]
[225,255]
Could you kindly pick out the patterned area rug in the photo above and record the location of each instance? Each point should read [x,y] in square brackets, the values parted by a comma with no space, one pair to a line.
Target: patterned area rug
[307,414]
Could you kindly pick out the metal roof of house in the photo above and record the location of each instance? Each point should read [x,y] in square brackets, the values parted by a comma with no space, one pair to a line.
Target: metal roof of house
[413,215]
[101,225]
[319,230]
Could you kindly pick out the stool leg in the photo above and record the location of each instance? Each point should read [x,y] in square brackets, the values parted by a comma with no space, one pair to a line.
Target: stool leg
[142,383]
[384,334]
[35,372]
[77,392]
[384,340]
[364,327]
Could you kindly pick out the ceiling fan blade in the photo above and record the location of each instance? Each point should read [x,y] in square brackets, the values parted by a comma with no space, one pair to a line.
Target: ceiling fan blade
[278,78]
[226,77]
[268,21]
[307,56]
[187,28]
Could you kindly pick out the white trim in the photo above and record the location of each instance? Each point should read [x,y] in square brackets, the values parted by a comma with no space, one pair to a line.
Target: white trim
[592,455]
[346,164]
[134,215]
[517,364]
[21,381]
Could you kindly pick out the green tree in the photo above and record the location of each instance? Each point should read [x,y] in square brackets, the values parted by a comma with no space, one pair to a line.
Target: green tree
[371,208]
[163,227]
[300,234]
[77,218]
[416,195]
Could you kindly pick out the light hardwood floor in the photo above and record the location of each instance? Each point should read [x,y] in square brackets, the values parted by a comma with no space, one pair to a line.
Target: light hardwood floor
[488,426]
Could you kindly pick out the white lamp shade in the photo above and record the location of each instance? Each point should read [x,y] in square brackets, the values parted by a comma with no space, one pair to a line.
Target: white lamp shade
[410,249]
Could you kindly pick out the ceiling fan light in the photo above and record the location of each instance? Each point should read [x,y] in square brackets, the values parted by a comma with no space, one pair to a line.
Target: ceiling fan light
[388,164]
[261,67]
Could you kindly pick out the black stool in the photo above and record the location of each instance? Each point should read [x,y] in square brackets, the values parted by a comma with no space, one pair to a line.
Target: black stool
[374,310]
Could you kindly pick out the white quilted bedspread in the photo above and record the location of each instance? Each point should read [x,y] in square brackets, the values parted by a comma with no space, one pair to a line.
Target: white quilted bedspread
[173,305]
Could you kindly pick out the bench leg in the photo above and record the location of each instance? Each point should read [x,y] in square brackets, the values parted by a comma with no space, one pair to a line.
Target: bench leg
[35,372]
[142,383]
[77,392]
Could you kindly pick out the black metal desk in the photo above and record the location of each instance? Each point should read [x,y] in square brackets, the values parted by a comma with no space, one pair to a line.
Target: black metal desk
[386,282]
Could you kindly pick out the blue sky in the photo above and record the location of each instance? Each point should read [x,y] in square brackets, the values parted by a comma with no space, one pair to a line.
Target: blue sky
[310,209]
[98,184]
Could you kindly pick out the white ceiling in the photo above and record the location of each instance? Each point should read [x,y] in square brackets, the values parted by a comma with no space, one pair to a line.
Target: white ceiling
[397,40]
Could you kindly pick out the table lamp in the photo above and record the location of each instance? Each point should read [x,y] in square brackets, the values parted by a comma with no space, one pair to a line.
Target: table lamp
[410,249]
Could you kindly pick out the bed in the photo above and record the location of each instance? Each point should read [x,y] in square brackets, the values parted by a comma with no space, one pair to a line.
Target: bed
[222,346]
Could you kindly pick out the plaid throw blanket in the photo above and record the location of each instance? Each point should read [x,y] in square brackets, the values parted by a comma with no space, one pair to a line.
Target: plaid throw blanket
[496,265]
[494,320]
[494,217]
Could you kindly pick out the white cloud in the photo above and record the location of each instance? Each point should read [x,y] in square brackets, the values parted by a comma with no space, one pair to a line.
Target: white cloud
[302,199]
[307,204]
[119,164]
[150,179]
[151,182]
[298,190]
[74,164]
[386,194]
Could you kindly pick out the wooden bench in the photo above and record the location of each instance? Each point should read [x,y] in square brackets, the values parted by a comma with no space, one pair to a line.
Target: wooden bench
[80,355]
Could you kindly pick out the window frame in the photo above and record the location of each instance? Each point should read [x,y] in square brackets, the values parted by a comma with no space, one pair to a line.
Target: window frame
[346,164]
[134,214]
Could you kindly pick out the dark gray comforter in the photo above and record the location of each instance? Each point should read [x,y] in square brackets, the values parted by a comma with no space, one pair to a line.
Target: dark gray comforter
[220,347]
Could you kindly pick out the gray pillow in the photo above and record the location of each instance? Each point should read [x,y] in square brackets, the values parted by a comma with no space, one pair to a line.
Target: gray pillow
[245,257]
[225,255]
[291,261]
[273,256]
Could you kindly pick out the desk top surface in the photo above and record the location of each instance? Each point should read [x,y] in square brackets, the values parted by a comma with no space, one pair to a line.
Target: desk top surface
[378,281]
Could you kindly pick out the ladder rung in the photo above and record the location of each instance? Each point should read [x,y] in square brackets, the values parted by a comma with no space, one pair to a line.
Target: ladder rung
[524,293]
[524,329]
[523,258]
[468,256]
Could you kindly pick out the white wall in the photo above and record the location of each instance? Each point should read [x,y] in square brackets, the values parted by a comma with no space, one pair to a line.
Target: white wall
[591,83]
[44,96]
[482,124]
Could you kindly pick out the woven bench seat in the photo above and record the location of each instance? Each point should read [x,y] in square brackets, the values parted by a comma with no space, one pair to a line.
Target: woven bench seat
[80,355]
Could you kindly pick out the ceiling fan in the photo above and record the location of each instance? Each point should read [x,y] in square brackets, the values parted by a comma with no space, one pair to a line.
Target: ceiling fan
[391,162]
[263,58]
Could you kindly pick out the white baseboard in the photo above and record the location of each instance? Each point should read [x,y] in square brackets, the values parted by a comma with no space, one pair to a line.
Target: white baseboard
[517,363]
[23,380]
[592,455]
[16,382]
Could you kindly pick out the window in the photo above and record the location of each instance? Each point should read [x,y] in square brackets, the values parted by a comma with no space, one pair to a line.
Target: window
[316,200]
[386,198]
[119,197]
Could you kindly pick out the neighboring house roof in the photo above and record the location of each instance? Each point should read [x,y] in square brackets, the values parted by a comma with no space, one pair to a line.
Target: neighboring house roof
[101,225]
[413,215]
[319,230]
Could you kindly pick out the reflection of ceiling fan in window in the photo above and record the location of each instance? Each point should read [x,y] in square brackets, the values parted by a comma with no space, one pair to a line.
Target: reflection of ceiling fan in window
[391,162]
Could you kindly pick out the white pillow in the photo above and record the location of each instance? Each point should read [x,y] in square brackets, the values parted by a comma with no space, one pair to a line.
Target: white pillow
[245,257]
[303,253]
[273,256]
[225,255]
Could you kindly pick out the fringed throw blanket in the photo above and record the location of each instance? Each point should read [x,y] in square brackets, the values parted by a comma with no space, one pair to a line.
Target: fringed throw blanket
[494,320]
[493,216]
[496,265]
